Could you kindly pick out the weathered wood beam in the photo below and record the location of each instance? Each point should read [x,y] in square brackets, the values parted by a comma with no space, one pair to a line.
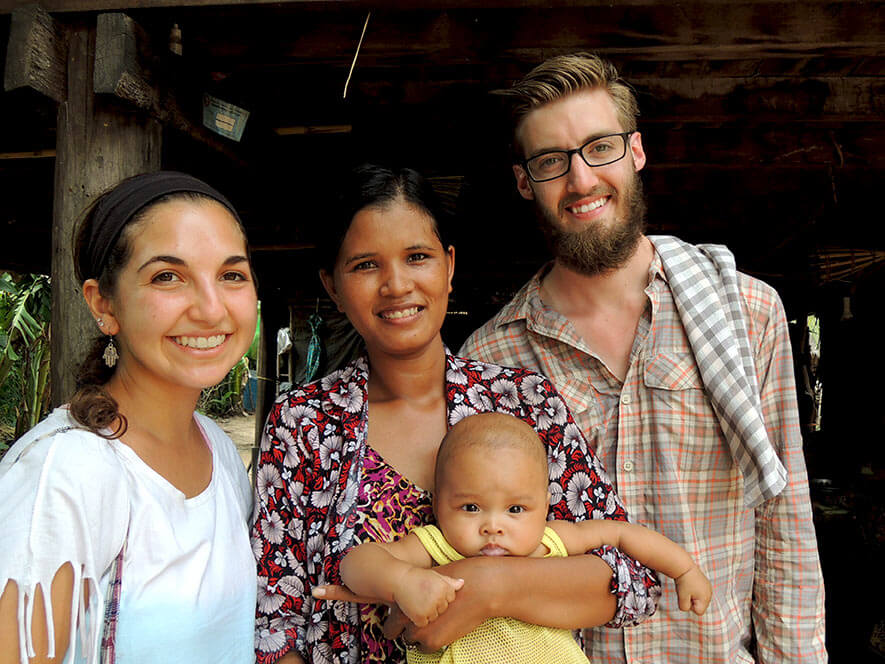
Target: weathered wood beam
[121,5]
[690,100]
[749,101]
[35,154]
[526,36]
[121,49]
[124,68]
[37,53]
[313,130]
[97,147]
[758,99]
[784,146]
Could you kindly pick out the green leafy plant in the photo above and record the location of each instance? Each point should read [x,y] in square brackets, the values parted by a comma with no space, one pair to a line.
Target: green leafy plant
[226,398]
[9,397]
[25,303]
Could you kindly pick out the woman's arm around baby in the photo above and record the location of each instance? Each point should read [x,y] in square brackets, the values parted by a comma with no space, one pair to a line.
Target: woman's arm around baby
[647,546]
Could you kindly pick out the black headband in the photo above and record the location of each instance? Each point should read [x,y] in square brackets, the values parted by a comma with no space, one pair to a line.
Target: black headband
[117,207]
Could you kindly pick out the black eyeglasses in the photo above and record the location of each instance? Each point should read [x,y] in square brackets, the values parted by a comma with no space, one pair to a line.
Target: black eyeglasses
[600,151]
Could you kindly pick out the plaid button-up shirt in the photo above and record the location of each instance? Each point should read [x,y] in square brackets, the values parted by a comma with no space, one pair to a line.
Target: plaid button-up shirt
[664,449]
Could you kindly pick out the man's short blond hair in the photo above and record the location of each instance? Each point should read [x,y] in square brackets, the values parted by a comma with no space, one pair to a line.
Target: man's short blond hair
[563,75]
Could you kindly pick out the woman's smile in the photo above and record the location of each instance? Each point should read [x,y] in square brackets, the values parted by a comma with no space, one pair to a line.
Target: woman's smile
[201,342]
[400,314]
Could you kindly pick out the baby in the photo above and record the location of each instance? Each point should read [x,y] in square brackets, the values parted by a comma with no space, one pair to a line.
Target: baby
[491,498]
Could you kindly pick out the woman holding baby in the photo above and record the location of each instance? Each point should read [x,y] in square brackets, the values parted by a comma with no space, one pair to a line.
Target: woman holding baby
[350,458]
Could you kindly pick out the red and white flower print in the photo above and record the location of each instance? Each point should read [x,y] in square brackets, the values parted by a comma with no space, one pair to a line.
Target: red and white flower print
[309,477]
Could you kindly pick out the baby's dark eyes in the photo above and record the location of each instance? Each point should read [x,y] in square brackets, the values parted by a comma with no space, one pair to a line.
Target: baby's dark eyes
[470,507]
[516,509]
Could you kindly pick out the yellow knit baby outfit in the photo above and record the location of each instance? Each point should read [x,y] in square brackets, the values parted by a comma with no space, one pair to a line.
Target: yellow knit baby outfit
[500,640]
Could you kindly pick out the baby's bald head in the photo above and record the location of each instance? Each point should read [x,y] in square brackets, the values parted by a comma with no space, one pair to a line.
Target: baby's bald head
[494,432]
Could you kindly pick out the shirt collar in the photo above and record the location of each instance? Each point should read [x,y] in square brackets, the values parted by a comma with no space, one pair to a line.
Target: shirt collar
[526,300]
[656,269]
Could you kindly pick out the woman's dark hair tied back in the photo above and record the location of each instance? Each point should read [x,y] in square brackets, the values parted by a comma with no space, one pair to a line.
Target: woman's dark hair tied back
[91,405]
[372,185]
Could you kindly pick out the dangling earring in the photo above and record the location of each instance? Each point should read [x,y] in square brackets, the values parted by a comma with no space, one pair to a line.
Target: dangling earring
[110,353]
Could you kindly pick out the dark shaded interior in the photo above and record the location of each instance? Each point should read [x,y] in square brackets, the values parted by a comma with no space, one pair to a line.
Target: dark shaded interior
[763,123]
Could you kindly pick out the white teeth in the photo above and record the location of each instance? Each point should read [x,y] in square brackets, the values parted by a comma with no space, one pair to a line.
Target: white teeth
[402,313]
[582,209]
[202,342]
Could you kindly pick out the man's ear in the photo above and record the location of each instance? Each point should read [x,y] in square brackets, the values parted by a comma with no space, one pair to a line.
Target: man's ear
[523,184]
[329,284]
[100,307]
[637,150]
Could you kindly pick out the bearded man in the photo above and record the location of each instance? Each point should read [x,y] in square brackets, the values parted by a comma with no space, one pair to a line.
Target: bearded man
[678,369]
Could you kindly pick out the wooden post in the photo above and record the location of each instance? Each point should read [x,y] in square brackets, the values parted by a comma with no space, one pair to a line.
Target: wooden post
[262,405]
[98,144]
[113,103]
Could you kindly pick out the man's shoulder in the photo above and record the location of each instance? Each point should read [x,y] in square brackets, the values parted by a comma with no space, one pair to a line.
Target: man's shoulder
[761,300]
[754,287]
[480,338]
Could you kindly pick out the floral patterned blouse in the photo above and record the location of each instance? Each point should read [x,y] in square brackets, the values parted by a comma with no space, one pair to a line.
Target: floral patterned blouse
[389,506]
[310,471]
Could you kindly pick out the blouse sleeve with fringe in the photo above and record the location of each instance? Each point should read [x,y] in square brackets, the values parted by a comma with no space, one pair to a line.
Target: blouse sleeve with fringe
[63,499]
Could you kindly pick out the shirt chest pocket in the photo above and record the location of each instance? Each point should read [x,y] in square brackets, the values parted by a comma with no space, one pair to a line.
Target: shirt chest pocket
[681,421]
[672,370]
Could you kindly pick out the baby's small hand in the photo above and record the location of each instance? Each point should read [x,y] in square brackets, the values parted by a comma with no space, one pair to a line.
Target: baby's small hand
[694,591]
[424,594]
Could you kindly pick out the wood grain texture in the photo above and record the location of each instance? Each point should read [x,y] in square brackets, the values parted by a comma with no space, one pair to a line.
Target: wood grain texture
[97,147]
[37,53]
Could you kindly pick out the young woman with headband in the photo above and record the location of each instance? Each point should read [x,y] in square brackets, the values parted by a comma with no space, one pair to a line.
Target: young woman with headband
[125,512]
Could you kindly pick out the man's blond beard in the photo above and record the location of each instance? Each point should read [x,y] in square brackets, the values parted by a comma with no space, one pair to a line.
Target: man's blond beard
[598,249]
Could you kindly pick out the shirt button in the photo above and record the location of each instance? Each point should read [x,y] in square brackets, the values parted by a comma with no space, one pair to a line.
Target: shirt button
[628,466]
[626,398]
